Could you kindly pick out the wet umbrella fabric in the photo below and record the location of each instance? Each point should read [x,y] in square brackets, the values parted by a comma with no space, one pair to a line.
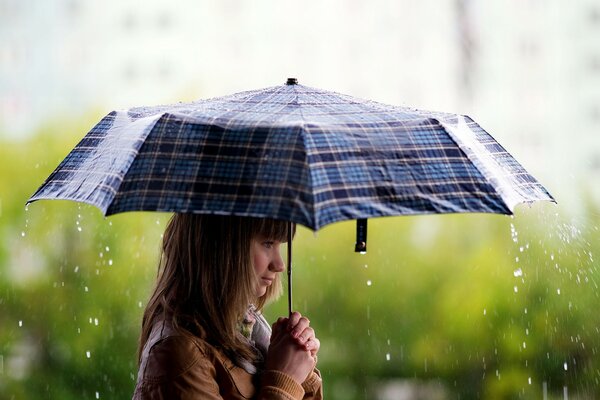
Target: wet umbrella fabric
[293,153]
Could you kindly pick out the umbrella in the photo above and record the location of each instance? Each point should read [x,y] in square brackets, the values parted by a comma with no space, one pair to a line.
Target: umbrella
[294,153]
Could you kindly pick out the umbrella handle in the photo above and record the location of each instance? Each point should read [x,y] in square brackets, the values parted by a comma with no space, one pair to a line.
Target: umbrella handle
[289,268]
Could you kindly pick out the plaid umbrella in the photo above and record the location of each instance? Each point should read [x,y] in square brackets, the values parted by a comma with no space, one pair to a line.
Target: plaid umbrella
[293,153]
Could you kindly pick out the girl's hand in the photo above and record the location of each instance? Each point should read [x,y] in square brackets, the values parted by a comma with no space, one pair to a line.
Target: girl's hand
[286,355]
[299,328]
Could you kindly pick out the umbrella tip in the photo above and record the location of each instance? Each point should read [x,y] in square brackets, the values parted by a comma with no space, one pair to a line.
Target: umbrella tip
[291,81]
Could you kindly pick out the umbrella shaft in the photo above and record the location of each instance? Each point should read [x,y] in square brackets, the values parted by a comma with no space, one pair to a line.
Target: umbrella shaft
[289,269]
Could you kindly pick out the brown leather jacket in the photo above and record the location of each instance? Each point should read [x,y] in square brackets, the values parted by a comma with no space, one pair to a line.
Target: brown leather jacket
[176,366]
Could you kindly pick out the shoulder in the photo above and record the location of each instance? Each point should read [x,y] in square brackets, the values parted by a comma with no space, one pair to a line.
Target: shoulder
[168,354]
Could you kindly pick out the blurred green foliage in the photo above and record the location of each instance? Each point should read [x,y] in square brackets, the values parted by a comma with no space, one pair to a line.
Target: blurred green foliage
[481,306]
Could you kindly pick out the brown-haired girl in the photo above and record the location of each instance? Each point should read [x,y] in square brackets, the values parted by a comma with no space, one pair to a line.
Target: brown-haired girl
[203,334]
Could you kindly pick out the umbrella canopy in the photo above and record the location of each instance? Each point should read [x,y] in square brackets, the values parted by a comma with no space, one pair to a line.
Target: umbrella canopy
[294,153]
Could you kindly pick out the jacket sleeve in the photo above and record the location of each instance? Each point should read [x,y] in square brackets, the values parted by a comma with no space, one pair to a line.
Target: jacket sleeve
[313,386]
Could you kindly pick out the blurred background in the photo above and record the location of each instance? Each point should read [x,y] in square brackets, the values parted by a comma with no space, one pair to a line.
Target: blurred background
[441,307]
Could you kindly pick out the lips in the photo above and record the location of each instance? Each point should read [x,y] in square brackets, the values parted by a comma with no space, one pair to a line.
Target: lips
[268,280]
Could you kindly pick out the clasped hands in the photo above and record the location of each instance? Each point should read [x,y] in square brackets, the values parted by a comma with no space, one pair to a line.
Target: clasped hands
[294,347]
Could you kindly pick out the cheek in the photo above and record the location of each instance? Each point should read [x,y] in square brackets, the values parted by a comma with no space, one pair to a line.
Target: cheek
[258,262]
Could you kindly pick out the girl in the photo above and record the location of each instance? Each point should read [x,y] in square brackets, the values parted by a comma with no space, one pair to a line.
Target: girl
[203,334]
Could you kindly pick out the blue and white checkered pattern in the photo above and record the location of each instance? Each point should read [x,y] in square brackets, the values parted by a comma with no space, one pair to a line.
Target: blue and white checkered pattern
[294,153]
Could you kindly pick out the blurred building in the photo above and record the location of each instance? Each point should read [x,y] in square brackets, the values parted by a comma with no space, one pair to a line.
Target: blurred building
[529,71]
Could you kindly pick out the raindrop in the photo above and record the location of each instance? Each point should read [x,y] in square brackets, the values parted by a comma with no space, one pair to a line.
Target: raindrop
[516,259]
[97,395]
[88,354]
[76,269]
[529,380]
[524,345]
[79,228]
[518,272]
[369,283]
[388,356]
[565,365]
[86,289]
[96,321]
[20,323]
[558,291]
[23,234]
[484,311]
[110,262]
[140,304]
[101,254]
[521,249]
[516,289]
[107,249]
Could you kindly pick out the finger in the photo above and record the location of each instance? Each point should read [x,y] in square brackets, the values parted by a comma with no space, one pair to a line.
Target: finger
[313,345]
[300,327]
[305,335]
[293,320]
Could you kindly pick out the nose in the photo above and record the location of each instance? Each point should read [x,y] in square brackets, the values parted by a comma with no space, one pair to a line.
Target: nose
[277,263]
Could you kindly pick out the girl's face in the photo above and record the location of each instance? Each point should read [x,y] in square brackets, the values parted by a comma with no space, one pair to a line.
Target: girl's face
[267,260]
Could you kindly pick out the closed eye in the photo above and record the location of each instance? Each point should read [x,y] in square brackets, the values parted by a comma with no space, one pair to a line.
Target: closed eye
[268,244]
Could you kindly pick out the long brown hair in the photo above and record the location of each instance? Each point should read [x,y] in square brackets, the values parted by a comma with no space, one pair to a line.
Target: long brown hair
[206,279]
